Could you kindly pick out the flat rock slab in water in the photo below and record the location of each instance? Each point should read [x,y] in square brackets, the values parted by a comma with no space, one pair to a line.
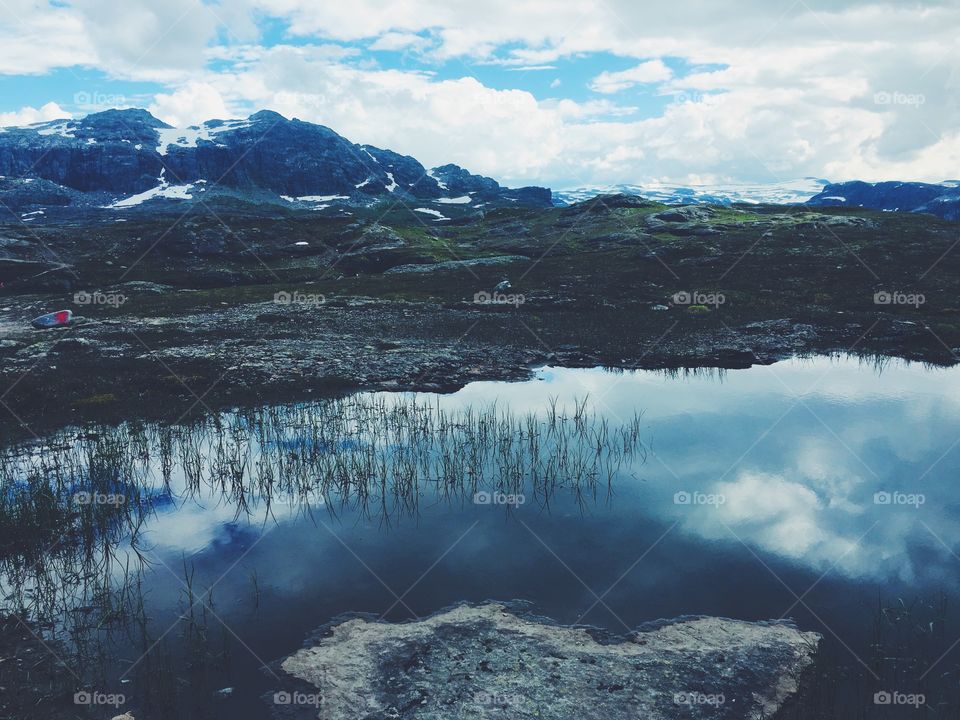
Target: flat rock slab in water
[488,662]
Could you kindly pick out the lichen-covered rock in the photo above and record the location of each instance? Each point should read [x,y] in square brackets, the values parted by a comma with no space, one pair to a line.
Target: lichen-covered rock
[491,661]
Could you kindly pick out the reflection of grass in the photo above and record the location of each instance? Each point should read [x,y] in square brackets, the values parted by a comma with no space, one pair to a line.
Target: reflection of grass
[76,568]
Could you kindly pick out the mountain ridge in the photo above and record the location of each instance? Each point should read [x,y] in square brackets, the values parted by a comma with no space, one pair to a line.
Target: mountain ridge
[121,159]
[117,155]
[940,199]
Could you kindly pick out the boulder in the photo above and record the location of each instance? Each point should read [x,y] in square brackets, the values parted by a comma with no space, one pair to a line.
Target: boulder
[493,661]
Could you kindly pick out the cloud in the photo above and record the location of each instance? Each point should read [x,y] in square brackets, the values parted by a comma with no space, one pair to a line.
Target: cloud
[149,41]
[29,115]
[531,68]
[400,41]
[760,93]
[757,125]
[652,71]
[27,27]
[190,105]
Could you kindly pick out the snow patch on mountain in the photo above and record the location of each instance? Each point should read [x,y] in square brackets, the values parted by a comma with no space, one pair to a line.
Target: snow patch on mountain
[428,211]
[191,136]
[164,190]
[322,198]
[440,183]
[55,127]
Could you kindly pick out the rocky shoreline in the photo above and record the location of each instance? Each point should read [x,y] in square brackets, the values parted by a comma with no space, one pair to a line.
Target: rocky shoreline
[262,353]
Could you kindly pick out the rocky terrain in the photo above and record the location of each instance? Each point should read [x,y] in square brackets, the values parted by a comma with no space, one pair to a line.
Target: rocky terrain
[488,662]
[178,313]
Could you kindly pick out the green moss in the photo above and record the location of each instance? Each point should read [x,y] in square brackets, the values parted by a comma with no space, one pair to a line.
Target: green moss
[102,399]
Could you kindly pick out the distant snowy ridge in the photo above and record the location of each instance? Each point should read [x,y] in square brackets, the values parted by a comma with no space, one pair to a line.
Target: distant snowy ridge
[793,192]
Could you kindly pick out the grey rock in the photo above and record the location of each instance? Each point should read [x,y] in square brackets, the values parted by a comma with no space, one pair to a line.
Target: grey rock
[145,288]
[685,214]
[74,346]
[489,661]
[457,264]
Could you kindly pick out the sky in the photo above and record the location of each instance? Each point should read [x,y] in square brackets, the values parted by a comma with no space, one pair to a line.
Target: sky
[563,93]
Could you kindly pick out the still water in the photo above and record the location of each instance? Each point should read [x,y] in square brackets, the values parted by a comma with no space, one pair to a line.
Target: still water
[824,490]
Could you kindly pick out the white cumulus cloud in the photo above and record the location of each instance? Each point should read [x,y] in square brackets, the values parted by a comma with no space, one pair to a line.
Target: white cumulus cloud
[29,115]
[652,71]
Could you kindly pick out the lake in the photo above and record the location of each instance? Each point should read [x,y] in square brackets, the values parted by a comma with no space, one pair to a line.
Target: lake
[825,490]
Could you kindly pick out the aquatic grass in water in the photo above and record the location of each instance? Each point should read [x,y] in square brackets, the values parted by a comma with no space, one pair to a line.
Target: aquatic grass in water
[74,506]
[67,502]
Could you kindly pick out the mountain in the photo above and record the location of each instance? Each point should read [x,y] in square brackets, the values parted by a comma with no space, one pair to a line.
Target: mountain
[794,192]
[119,159]
[942,200]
